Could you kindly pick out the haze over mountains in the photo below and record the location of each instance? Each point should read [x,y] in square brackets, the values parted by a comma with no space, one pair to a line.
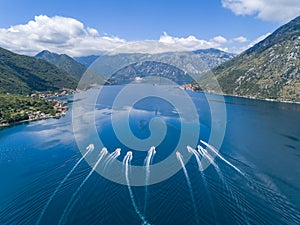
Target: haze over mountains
[86,60]
[268,70]
[193,63]
[49,71]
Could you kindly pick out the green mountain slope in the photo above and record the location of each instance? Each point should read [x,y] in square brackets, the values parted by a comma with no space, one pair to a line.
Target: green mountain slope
[268,70]
[63,62]
[137,72]
[21,74]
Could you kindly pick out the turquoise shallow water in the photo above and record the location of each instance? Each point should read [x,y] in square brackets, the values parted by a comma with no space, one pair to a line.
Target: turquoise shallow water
[262,139]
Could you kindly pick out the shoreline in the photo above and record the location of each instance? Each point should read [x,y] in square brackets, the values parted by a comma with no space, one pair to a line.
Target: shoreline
[7,125]
[253,98]
[229,95]
[188,88]
[60,108]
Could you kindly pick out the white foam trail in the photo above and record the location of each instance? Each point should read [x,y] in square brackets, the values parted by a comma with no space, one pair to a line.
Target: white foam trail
[249,180]
[205,154]
[180,158]
[69,207]
[112,157]
[89,148]
[221,157]
[127,159]
[197,156]
[148,161]
[149,157]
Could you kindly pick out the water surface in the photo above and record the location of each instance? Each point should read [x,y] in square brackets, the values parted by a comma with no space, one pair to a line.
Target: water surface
[262,140]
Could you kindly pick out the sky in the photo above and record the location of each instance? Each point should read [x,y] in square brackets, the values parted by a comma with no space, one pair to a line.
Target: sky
[80,28]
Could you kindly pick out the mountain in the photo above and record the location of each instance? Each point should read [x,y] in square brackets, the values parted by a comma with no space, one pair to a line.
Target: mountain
[137,72]
[213,57]
[21,74]
[268,70]
[86,60]
[71,66]
[63,62]
[193,63]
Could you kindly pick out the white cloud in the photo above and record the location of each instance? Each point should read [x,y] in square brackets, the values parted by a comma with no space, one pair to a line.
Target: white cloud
[70,36]
[167,43]
[240,39]
[239,44]
[92,31]
[262,37]
[220,39]
[190,42]
[57,34]
[271,10]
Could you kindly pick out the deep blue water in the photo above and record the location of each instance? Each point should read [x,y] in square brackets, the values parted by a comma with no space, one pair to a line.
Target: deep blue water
[262,139]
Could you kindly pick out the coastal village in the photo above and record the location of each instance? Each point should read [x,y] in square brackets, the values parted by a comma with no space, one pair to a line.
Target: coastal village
[55,108]
[59,107]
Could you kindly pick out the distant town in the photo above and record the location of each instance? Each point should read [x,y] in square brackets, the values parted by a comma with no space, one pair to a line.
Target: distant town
[17,109]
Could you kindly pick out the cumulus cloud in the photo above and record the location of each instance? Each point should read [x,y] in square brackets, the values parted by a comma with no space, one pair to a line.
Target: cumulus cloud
[220,39]
[167,43]
[190,42]
[240,44]
[70,36]
[271,10]
[240,39]
[58,34]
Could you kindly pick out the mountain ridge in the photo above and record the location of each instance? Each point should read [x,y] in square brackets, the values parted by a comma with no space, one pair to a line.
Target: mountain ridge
[64,62]
[268,70]
[193,63]
[150,72]
[20,74]
[86,60]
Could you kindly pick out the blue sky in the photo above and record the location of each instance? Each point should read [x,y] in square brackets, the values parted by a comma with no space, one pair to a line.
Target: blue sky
[140,20]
